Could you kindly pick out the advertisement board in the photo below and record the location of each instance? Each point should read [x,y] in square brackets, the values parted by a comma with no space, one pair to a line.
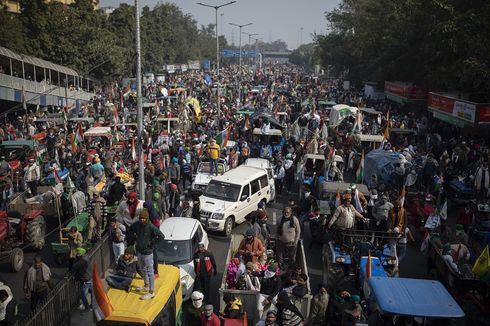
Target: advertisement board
[463,110]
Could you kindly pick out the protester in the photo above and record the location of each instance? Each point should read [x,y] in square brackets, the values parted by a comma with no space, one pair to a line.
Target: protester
[8,306]
[204,267]
[75,241]
[288,235]
[37,282]
[287,313]
[319,307]
[83,277]
[208,317]
[251,248]
[214,152]
[127,267]
[270,319]
[193,313]
[145,236]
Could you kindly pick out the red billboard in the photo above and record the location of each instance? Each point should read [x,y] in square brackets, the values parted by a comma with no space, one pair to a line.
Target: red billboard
[483,113]
[405,91]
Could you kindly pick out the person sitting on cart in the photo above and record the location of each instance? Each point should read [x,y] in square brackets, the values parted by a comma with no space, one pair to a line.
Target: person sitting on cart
[344,218]
[233,307]
[251,248]
[290,277]
[270,285]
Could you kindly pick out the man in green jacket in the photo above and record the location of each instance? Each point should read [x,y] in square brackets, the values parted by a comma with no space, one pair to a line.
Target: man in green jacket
[145,236]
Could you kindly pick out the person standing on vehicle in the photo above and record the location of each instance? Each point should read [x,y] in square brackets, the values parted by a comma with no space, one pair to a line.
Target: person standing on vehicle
[288,235]
[381,211]
[214,152]
[145,236]
[398,218]
[204,267]
[125,271]
[37,282]
[83,277]
[32,176]
[344,218]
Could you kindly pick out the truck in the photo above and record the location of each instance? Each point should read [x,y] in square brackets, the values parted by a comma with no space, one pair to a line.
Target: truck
[249,299]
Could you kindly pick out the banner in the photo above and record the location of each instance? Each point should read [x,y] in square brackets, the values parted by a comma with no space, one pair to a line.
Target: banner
[483,113]
[405,91]
[460,109]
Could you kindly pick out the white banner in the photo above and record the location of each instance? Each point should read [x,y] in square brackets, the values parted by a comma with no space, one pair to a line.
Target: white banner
[465,111]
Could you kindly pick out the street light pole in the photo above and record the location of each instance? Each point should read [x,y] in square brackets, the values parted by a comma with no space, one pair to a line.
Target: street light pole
[217,50]
[141,168]
[240,62]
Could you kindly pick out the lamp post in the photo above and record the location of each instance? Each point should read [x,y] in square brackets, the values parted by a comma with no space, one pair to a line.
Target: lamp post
[141,167]
[257,53]
[250,41]
[240,62]
[217,48]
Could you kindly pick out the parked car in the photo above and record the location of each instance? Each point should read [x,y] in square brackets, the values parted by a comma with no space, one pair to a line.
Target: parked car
[182,236]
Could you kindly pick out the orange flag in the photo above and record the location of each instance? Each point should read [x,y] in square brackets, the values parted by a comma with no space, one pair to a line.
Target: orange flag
[101,304]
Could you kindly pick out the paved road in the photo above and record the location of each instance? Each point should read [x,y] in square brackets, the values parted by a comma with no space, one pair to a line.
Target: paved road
[413,264]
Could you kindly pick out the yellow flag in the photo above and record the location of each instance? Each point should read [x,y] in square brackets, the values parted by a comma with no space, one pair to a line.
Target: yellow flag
[482,264]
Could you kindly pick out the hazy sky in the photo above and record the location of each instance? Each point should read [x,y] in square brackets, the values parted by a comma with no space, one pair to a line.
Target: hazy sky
[272,19]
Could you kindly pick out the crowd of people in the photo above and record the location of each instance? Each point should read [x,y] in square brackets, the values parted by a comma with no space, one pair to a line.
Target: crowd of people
[102,175]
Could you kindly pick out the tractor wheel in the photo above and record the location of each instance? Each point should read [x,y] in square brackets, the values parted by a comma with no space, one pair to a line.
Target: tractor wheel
[16,259]
[35,233]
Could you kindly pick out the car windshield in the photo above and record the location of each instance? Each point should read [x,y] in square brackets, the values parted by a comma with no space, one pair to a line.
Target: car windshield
[205,167]
[222,190]
[174,251]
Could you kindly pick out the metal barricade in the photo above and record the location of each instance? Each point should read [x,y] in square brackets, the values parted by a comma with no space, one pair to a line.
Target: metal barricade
[56,309]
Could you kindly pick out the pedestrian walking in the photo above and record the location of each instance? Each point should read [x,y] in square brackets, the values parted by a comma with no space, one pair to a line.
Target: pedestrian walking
[83,277]
[288,235]
[37,282]
[145,236]
[204,267]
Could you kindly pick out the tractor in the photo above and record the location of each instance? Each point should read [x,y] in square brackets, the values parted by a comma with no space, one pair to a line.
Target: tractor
[19,231]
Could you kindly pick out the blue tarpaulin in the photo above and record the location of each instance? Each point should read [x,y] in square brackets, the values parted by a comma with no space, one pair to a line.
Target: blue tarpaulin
[412,297]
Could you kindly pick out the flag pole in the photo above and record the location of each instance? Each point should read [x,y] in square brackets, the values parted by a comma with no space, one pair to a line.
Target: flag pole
[141,167]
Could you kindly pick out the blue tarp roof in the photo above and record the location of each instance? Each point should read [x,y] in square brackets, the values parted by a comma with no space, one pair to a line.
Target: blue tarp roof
[412,297]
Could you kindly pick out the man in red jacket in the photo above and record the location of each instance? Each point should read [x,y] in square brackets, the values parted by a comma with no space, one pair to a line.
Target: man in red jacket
[204,267]
[208,317]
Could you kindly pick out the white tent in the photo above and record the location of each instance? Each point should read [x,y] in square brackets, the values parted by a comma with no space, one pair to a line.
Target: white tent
[341,111]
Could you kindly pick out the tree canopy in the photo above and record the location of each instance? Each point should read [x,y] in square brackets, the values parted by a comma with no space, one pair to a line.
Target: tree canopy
[438,44]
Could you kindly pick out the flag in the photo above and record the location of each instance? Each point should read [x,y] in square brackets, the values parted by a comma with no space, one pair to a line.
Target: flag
[161,162]
[222,138]
[360,170]
[368,266]
[402,197]
[482,264]
[101,304]
[337,199]
[133,150]
[247,123]
[78,139]
[56,175]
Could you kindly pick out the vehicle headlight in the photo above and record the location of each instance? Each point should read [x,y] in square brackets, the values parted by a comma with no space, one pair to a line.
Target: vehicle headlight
[186,281]
[218,216]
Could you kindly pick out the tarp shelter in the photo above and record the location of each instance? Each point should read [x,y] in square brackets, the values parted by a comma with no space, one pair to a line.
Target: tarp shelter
[265,114]
[98,132]
[381,163]
[414,297]
[339,112]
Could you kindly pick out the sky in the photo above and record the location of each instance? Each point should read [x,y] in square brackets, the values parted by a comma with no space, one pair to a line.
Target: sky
[293,21]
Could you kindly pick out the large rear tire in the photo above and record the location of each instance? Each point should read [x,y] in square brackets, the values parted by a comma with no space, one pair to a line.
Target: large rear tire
[16,259]
[35,233]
